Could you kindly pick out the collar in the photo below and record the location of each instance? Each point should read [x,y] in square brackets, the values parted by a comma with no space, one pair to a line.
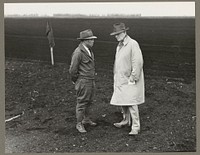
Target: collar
[126,40]
[85,50]
[86,47]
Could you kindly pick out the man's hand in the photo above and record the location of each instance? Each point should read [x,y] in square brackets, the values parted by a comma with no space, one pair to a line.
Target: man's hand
[131,83]
[73,79]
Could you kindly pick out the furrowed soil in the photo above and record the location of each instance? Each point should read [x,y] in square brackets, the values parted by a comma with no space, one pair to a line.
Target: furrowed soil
[45,99]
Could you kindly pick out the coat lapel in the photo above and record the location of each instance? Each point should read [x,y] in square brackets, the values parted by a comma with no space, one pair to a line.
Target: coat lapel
[86,52]
[92,54]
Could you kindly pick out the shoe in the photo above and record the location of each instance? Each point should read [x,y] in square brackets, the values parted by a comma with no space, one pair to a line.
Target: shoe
[134,132]
[122,123]
[89,122]
[80,128]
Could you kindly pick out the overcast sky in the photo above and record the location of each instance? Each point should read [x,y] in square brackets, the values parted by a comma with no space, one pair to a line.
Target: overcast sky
[143,8]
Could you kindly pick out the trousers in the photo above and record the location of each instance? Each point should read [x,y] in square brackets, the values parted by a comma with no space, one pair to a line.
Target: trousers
[131,113]
[85,89]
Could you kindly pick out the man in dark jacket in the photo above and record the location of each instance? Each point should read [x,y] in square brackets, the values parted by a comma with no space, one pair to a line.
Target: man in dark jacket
[82,71]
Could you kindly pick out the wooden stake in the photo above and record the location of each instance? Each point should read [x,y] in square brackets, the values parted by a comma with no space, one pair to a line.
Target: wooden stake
[52,59]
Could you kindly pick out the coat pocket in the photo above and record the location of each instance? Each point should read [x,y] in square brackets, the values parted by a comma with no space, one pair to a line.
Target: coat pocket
[123,80]
[86,61]
[129,92]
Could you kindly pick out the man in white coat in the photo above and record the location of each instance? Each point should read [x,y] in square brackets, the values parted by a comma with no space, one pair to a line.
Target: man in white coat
[128,78]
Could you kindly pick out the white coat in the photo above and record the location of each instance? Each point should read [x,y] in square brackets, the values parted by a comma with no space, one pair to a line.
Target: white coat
[128,67]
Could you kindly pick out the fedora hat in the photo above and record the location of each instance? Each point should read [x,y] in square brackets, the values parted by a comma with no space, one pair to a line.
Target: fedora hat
[86,34]
[118,28]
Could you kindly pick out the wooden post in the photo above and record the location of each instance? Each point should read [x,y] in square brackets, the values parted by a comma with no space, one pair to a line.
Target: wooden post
[52,59]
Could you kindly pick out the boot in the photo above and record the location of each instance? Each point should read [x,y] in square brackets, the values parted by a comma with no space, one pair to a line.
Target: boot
[126,118]
[125,121]
[80,127]
[89,122]
[120,124]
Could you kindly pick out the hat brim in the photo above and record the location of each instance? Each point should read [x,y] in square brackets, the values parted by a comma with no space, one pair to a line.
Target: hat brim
[92,37]
[114,33]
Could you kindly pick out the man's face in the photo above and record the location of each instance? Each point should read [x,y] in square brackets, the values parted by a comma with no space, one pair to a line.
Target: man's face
[120,36]
[89,42]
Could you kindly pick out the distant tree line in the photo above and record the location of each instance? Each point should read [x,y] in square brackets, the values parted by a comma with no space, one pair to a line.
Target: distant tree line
[77,15]
[97,16]
[24,15]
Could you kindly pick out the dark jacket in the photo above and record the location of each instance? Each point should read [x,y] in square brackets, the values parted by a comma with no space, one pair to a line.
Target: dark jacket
[82,64]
